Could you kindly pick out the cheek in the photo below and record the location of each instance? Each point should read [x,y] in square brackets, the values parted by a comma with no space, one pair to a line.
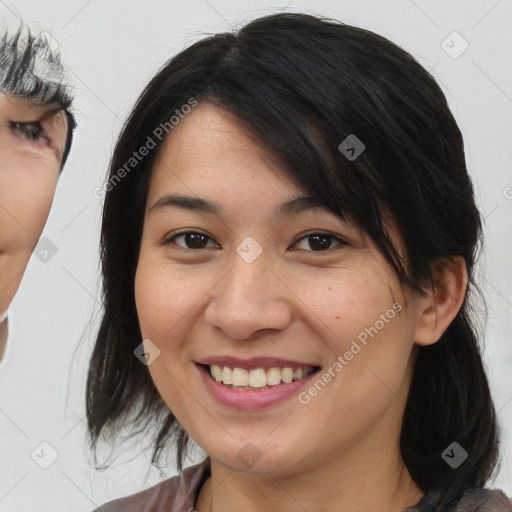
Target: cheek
[360,318]
[26,197]
[166,308]
[165,301]
[344,303]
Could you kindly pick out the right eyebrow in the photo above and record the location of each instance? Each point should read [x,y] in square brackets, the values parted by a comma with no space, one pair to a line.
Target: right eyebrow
[186,202]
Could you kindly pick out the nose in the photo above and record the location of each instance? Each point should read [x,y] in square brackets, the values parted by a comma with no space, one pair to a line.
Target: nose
[249,300]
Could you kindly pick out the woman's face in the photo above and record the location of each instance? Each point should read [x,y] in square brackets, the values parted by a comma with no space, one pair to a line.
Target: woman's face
[32,143]
[256,287]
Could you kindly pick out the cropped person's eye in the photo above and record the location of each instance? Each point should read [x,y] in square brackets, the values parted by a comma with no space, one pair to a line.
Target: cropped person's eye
[31,131]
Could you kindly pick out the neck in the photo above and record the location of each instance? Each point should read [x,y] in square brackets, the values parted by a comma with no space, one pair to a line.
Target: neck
[374,480]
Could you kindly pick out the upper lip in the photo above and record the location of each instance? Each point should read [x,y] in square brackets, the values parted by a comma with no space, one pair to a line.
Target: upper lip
[254,362]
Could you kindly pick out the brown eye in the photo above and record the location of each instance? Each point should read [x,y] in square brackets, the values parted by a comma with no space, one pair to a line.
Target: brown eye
[320,242]
[192,240]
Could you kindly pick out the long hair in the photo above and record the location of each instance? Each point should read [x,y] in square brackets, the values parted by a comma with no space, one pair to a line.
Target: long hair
[301,85]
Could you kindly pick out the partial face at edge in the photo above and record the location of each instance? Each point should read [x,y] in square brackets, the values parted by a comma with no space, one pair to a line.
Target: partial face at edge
[303,298]
[32,142]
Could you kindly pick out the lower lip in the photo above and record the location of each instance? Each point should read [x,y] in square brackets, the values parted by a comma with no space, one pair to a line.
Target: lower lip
[250,400]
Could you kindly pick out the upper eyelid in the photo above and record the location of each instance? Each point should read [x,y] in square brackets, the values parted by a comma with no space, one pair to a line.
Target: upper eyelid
[36,122]
[332,235]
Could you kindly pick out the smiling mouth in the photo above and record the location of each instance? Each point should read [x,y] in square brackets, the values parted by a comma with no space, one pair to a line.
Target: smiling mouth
[257,378]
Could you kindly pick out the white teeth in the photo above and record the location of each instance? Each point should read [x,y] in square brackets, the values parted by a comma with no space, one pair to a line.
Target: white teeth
[240,377]
[227,375]
[298,374]
[274,376]
[216,372]
[258,377]
[287,375]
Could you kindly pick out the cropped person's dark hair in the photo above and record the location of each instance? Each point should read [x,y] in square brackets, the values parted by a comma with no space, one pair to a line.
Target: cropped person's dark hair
[301,85]
[32,71]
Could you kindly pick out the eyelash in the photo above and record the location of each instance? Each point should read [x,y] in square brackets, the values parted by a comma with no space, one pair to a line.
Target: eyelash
[172,238]
[27,132]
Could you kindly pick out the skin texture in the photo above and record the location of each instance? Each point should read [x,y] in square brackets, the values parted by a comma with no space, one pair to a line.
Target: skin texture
[29,169]
[291,302]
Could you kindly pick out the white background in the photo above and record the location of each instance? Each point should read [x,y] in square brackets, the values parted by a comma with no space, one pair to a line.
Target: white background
[112,49]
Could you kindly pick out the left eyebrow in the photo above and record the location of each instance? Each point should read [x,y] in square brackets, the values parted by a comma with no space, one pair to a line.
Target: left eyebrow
[295,205]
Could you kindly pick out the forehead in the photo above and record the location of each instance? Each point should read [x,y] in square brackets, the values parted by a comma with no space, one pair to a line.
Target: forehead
[211,141]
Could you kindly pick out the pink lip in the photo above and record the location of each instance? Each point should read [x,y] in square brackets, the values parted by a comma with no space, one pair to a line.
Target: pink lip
[251,400]
[254,362]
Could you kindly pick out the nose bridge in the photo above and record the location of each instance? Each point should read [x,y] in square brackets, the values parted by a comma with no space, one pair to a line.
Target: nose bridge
[249,272]
[247,280]
[248,298]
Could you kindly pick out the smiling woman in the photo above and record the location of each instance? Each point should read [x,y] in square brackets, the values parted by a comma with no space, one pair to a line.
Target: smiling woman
[307,230]
[36,131]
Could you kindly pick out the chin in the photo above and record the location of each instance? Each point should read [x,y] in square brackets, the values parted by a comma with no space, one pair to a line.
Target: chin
[258,460]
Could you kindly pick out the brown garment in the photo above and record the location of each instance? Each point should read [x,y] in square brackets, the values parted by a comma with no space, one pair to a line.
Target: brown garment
[179,494]
[176,494]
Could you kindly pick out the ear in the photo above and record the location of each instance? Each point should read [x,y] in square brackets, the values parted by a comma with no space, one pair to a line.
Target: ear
[441,304]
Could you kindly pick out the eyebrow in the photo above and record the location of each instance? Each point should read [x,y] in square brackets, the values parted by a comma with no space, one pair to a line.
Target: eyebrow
[295,205]
[33,108]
